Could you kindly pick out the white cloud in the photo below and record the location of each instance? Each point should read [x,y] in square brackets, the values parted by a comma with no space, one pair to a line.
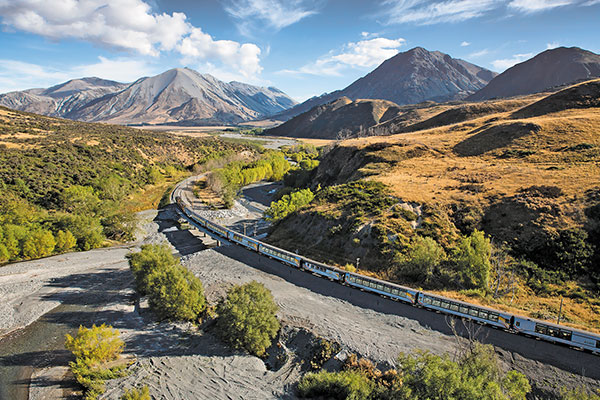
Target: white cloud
[532,6]
[552,45]
[424,12]
[480,53]
[17,75]
[245,58]
[276,13]
[465,44]
[128,25]
[363,54]
[503,64]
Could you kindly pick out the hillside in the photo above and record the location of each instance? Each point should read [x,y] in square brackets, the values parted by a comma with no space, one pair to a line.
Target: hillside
[410,77]
[69,185]
[524,171]
[177,96]
[551,68]
[340,118]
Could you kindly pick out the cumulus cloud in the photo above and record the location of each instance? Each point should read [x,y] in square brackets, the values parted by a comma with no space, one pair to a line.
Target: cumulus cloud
[503,64]
[465,44]
[363,54]
[425,12]
[532,6]
[276,13]
[128,25]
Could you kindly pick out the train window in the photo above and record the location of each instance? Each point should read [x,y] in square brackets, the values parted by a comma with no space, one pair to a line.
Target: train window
[566,335]
[435,302]
[445,304]
[453,306]
[598,344]
[473,312]
[395,291]
[427,300]
[541,329]
[483,314]
[379,287]
[553,332]
[493,317]
[464,310]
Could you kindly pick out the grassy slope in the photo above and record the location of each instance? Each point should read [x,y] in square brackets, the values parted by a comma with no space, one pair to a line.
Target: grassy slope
[476,173]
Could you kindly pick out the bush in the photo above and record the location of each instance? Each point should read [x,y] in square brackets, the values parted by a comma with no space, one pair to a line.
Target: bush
[323,352]
[144,263]
[174,292]
[473,260]
[579,394]
[420,259]
[93,348]
[344,385]
[96,345]
[246,318]
[288,204]
[137,394]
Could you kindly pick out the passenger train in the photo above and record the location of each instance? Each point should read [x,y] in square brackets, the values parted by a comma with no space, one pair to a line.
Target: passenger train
[513,323]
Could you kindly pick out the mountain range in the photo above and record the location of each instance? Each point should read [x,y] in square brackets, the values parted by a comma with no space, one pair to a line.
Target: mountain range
[410,77]
[177,96]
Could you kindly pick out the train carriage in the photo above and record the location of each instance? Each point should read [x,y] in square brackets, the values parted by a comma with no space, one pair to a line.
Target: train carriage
[481,314]
[280,254]
[323,269]
[557,333]
[381,287]
[245,241]
[218,229]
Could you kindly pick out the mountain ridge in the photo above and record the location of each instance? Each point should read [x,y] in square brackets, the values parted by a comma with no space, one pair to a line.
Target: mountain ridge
[409,77]
[178,95]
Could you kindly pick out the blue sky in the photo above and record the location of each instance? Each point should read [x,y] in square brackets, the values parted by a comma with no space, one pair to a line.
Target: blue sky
[303,47]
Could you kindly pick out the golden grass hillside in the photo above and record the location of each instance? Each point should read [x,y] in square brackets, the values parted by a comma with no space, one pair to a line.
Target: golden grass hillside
[523,170]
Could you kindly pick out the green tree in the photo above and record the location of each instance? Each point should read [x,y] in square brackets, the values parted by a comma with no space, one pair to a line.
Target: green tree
[246,318]
[344,385]
[65,241]
[175,293]
[78,199]
[96,345]
[149,259]
[473,260]
[421,258]
[39,243]
[288,204]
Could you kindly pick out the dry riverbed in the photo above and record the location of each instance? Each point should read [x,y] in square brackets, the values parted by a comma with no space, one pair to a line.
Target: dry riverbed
[180,361]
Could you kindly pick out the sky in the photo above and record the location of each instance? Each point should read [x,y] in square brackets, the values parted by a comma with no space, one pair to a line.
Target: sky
[303,47]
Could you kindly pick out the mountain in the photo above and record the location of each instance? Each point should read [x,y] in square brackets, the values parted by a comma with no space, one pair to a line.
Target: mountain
[410,77]
[177,96]
[548,69]
[340,118]
[62,99]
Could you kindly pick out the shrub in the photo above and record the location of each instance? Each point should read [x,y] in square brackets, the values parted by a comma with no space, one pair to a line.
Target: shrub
[580,393]
[344,385]
[176,294]
[97,344]
[473,260]
[144,263]
[322,352]
[246,318]
[288,204]
[65,241]
[137,394]
[420,259]
[93,348]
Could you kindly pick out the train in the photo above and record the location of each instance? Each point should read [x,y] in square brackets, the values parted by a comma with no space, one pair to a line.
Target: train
[510,322]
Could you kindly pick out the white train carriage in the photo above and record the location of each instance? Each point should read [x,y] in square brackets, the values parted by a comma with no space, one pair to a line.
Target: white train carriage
[322,269]
[481,314]
[245,241]
[381,287]
[557,333]
[280,254]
